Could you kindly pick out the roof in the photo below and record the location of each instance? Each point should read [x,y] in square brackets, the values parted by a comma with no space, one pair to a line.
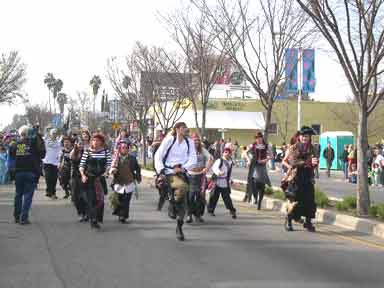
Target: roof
[226,119]
[336,133]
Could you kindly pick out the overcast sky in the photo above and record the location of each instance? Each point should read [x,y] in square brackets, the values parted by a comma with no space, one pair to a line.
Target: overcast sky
[74,38]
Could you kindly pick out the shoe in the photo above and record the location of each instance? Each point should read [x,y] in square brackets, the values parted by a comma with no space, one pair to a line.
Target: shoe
[199,220]
[245,199]
[95,225]
[66,196]
[179,231]
[234,215]
[48,195]
[309,226]
[211,213]
[17,220]
[189,219]
[80,218]
[54,197]
[25,222]
[288,225]
[122,220]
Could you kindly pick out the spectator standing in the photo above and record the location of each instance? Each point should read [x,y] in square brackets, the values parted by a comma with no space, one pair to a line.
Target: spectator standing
[51,162]
[379,161]
[329,156]
[344,159]
[3,165]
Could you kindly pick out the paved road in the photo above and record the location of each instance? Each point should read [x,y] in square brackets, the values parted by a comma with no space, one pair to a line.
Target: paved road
[251,251]
[334,186]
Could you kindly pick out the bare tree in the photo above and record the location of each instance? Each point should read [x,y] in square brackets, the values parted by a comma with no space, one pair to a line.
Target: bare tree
[355,31]
[38,114]
[12,77]
[348,115]
[84,101]
[199,44]
[257,42]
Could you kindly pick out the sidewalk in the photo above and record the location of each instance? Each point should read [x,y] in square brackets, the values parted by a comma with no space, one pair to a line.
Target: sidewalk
[324,216]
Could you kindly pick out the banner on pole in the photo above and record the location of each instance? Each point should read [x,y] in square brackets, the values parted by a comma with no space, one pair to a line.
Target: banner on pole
[309,81]
[291,73]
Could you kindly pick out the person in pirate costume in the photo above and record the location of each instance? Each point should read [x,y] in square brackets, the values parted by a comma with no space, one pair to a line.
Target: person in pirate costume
[198,181]
[78,188]
[163,195]
[65,167]
[222,169]
[174,157]
[94,164]
[126,173]
[259,155]
[298,184]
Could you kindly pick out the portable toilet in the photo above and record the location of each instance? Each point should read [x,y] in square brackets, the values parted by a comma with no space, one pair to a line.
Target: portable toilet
[337,139]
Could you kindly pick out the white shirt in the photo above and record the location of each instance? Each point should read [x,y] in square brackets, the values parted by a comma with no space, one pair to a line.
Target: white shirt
[53,150]
[177,155]
[379,158]
[121,189]
[221,179]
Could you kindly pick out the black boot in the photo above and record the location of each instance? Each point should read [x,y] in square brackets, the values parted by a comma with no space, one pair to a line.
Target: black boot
[172,210]
[189,219]
[179,230]
[245,199]
[288,223]
[309,226]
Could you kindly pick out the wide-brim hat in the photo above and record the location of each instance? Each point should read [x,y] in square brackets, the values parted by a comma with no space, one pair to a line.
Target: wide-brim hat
[305,130]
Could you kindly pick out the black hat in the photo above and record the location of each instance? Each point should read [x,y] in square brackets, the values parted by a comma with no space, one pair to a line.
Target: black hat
[305,130]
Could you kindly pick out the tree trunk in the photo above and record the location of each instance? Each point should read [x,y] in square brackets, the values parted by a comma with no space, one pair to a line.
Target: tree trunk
[203,114]
[49,100]
[363,201]
[268,117]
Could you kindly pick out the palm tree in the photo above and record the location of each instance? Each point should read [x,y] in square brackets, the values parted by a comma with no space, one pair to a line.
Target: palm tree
[95,84]
[50,81]
[62,100]
[56,89]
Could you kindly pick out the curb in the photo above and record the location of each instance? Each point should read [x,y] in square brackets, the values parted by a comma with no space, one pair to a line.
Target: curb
[361,225]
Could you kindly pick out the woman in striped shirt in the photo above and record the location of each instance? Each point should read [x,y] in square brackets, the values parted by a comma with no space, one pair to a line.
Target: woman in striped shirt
[94,163]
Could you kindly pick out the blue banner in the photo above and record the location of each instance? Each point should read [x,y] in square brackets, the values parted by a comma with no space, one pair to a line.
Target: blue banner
[309,81]
[291,59]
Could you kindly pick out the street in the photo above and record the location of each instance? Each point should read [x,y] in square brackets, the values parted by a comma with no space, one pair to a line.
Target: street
[251,251]
[335,186]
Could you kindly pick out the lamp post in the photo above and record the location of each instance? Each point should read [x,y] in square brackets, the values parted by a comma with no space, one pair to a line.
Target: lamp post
[299,86]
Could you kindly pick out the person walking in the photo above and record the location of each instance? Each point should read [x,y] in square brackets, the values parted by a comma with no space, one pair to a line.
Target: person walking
[27,152]
[259,154]
[222,169]
[298,186]
[51,162]
[329,156]
[65,167]
[198,181]
[126,175]
[94,164]
[174,157]
[78,189]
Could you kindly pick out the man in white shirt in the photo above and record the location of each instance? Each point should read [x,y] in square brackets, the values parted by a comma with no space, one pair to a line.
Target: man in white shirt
[51,162]
[173,158]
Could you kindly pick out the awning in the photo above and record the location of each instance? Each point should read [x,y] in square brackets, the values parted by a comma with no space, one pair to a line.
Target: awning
[226,120]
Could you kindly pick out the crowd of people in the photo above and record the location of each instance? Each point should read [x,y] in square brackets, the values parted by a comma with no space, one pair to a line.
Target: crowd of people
[82,163]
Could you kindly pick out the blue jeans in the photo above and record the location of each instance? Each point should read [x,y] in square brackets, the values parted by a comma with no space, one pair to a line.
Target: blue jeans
[25,187]
[345,169]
